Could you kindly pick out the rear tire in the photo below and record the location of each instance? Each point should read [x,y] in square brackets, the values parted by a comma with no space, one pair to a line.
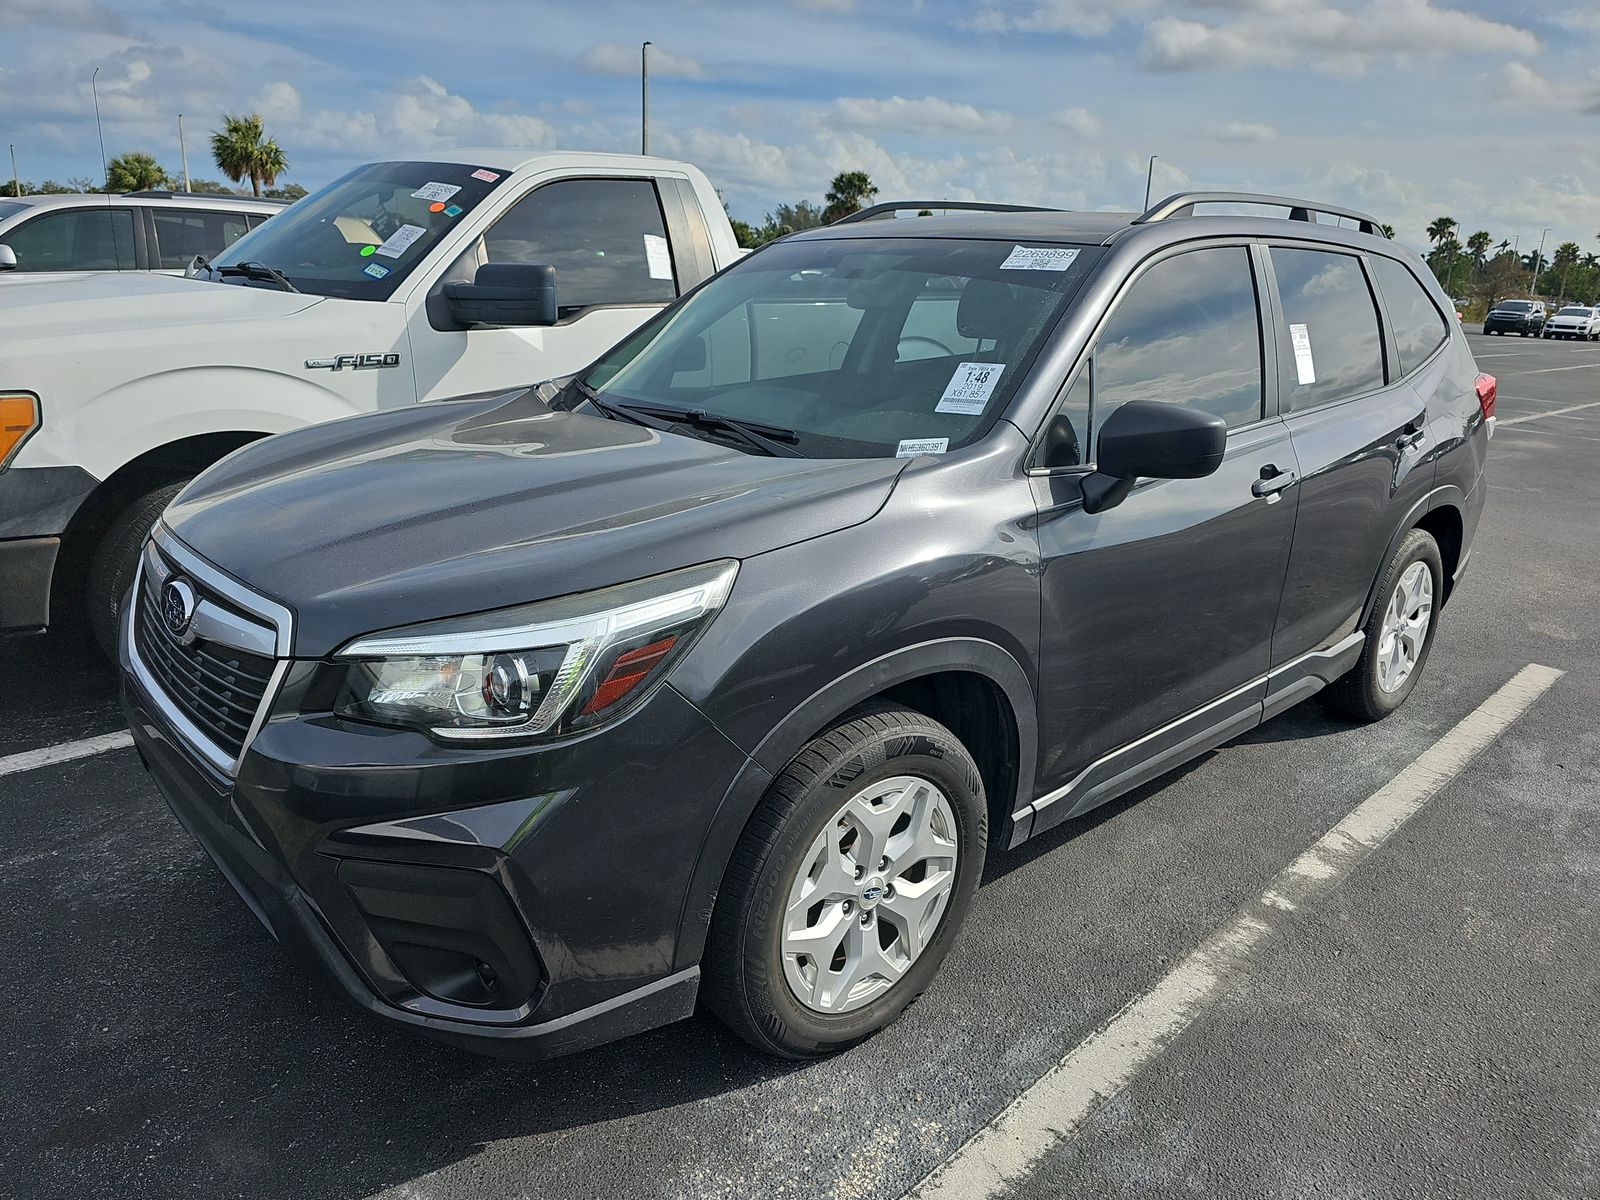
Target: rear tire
[115,558]
[813,949]
[1395,651]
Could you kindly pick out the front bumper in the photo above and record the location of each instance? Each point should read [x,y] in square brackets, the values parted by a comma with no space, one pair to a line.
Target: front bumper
[520,902]
[1512,325]
[36,505]
[27,566]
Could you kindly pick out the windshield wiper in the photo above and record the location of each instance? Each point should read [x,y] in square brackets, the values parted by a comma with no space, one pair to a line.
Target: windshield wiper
[765,439]
[607,408]
[256,270]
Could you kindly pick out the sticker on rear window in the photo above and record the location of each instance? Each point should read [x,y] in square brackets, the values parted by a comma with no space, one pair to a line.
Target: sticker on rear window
[486,176]
[1038,258]
[1305,369]
[400,240]
[656,256]
[969,388]
[911,447]
[435,191]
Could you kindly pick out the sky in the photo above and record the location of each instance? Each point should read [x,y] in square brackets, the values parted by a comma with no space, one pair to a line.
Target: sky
[1407,109]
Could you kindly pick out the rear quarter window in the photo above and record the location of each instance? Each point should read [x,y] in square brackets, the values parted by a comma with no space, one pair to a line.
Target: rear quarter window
[1419,329]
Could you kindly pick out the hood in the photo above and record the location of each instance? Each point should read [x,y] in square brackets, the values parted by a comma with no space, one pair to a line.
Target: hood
[131,301]
[389,519]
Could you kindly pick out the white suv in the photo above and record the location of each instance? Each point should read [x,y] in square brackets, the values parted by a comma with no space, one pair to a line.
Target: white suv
[1574,321]
[57,236]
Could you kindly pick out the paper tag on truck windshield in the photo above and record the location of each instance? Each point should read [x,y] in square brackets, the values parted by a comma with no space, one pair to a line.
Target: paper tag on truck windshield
[400,240]
[1038,258]
[969,388]
[1305,369]
[911,447]
[656,256]
[435,191]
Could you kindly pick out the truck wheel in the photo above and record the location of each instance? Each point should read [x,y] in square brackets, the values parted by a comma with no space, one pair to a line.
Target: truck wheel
[849,885]
[111,569]
[1399,633]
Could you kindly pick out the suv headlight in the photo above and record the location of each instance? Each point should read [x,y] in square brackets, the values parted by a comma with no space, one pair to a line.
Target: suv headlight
[549,669]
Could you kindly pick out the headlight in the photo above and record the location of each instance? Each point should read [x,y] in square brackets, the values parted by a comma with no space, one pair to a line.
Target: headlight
[549,668]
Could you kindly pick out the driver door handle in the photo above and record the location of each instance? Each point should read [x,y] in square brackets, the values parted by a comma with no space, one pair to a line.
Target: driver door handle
[1272,481]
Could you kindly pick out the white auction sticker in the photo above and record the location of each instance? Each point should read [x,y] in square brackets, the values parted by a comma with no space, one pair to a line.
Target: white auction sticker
[911,447]
[656,256]
[435,191]
[486,176]
[400,240]
[1038,258]
[1305,368]
[969,388]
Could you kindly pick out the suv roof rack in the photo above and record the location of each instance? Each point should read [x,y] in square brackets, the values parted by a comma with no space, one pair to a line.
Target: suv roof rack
[1181,204]
[174,193]
[894,206]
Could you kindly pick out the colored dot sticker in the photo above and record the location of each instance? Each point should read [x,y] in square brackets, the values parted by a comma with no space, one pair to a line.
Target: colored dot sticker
[368,251]
[436,206]
[454,210]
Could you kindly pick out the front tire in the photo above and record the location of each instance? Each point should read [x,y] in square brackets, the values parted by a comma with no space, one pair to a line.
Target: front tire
[849,885]
[1399,633]
[115,559]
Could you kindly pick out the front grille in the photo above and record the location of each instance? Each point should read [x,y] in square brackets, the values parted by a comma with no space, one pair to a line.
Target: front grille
[217,687]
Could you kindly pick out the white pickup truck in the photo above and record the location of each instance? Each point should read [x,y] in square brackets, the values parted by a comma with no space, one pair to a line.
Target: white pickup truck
[400,282]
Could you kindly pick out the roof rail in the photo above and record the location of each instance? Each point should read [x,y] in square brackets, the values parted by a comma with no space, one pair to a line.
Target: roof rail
[175,193]
[894,206]
[1181,204]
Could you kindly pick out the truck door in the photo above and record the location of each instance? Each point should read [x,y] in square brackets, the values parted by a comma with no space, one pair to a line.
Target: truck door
[622,248]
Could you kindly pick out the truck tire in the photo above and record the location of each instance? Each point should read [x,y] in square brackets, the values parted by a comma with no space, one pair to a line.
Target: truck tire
[115,558]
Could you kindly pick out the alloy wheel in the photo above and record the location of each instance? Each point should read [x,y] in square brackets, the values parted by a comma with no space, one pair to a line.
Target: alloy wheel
[1405,627]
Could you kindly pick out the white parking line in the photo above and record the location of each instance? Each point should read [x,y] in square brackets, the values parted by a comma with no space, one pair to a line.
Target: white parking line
[1054,1108]
[28,760]
[1554,412]
[1547,370]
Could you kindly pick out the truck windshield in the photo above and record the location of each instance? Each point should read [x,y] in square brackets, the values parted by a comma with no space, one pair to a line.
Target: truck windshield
[360,236]
[852,347]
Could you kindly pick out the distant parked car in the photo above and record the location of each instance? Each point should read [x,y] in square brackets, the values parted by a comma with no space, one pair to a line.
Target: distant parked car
[54,237]
[1515,316]
[1575,321]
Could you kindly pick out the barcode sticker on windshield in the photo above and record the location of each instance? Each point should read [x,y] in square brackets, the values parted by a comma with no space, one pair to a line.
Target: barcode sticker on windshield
[400,240]
[1038,258]
[656,256]
[435,191]
[1305,368]
[969,388]
[911,447]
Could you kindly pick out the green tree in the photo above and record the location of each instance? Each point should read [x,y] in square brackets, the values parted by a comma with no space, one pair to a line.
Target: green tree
[1386,229]
[135,172]
[848,193]
[1440,228]
[243,151]
[1478,246]
[289,191]
[1563,260]
[210,187]
[743,233]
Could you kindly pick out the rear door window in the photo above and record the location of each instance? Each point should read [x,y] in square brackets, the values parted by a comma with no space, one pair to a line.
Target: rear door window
[75,239]
[183,233]
[1330,347]
[1419,329]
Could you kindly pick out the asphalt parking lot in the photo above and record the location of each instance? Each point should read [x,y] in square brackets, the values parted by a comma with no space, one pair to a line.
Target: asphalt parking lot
[1424,1021]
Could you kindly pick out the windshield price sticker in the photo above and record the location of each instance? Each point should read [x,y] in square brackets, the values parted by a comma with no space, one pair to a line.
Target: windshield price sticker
[435,191]
[911,447]
[657,257]
[486,176]
[1038,258]
[400,241]
[1305,368]
[969,388]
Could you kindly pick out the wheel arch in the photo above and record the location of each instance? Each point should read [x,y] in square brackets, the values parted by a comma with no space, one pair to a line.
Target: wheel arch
[1440,513]
[972,686]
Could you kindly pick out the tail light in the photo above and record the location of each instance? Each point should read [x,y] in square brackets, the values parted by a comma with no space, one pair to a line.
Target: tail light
[19,417]
[1488,389]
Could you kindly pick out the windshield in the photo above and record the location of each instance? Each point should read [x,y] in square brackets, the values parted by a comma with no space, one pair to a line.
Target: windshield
[1514,306]
[1574,311]
[863,348]
[12,208]
[362,234]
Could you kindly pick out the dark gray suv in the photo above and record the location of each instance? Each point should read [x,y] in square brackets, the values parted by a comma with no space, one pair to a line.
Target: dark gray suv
[715,672]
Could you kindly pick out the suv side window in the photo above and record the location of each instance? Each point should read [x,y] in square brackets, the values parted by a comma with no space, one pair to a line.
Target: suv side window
[184,232]
[606,238]
[1332,347]
[75,239]
[1418,327]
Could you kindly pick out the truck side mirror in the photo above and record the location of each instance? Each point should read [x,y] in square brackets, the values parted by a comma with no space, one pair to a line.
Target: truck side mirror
[8,258]
[505,294]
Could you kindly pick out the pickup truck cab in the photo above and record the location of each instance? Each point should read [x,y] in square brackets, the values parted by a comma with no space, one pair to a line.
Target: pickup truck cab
[421,279]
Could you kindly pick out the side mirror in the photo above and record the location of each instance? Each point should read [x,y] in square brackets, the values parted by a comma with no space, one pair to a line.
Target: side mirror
[505,294]
[1150,440]
[8,258]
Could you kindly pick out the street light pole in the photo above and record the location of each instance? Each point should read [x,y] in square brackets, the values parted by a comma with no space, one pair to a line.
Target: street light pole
[183,149]
[1537,258]
[1148,178]
[16,180]
[644,98]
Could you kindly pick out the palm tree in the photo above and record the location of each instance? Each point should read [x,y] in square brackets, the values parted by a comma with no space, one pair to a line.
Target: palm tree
[846,194]
[1565,256]
[134,172]
[1387,230]
[1440,228]
[1479,244]
[244,151]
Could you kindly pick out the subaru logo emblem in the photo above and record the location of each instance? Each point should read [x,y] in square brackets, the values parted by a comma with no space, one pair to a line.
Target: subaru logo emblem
[177,606]
[872,895]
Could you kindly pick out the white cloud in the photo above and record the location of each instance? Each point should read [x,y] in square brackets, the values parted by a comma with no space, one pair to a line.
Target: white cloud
[615,58]
[827,5]
[929,115]
[1077,120]
[79,15]
[1084,18]
[1520,82]
[1243,132]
